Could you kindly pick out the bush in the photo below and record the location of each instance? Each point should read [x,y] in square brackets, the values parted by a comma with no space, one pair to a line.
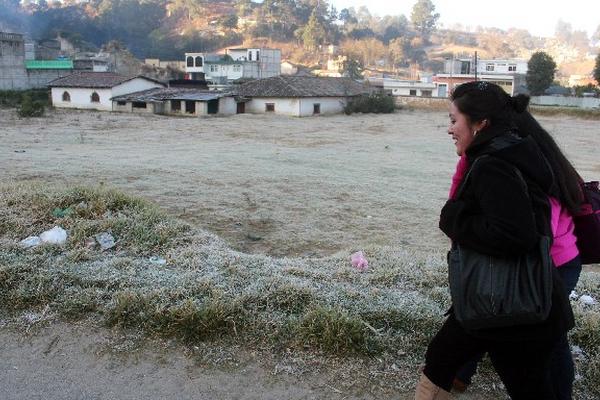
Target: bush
[13,98]
[30,108]
[373,103]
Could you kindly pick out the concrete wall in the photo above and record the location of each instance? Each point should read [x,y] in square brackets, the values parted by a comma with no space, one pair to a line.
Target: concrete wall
[227,106]
[282,106]
[405,91]
[228,71]
[581,102]
[328,105]
[39,78]
[297,107]
[437,103]
[12,62]
[81,98]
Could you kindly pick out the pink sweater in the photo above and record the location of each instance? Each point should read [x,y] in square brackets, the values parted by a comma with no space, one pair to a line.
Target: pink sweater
[564,246]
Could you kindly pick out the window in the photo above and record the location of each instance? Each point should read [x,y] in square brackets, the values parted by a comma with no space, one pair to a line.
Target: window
[214,68]
[512,67]
[316,108]
[121,103]
[175,105]
[489,67]
[95,98]
[413,92]
[270,107]
[249,56]
[139,104]
[426,93]
[237,68]
[257,55]
[198,61]
[66,97]
[190,61]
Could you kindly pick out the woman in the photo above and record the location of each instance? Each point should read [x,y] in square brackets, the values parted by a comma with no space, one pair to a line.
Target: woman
[495,215]
[564,249]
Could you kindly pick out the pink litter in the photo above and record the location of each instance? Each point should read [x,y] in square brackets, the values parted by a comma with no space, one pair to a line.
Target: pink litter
[359,261]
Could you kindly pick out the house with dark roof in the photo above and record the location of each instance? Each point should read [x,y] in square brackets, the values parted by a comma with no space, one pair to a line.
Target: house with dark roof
[95,90]
[177,101]
[298,96]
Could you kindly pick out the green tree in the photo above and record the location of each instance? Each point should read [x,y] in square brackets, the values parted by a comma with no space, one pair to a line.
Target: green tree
[313,33]
[352,68]
[540,73]
[424,17]
[596,72]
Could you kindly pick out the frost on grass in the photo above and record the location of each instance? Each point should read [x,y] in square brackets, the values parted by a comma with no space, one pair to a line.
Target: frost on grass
[206,290]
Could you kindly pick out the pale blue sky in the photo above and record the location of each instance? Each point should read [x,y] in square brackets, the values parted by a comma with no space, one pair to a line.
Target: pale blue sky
[539,17]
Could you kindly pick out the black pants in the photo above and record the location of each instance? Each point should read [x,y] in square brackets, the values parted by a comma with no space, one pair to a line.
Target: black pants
[524,366]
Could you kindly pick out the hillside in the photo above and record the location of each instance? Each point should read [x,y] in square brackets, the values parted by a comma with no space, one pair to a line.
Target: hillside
[302,29]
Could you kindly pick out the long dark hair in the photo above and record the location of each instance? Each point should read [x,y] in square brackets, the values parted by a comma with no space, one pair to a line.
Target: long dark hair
[566,177]
[481,100]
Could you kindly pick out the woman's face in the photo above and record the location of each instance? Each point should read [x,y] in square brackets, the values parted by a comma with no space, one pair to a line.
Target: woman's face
[461,129]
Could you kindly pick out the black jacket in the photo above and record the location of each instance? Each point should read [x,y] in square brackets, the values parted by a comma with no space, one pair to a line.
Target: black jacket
[495,215]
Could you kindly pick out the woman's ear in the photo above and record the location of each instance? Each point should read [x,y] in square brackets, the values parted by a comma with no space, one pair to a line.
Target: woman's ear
[484,123]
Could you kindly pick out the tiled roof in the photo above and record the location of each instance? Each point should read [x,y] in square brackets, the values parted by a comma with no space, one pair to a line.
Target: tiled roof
[301,86]
[161,94]
[94,80]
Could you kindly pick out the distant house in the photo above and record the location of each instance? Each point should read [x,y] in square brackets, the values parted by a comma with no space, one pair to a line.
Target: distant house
[94,90]
[236,63]
[177,101]
[297,95]
[421,88]
[506,73]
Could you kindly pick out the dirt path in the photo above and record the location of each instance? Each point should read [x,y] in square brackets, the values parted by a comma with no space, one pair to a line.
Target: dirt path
[65,361]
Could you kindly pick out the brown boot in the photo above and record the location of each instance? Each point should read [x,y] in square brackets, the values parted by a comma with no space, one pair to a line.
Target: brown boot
[427,390]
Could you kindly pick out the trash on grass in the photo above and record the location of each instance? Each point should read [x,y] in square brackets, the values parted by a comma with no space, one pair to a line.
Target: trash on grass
[30,241]
[56,235]
[587,300]
[158,260]
[62,212]
[105,240]
[359,261]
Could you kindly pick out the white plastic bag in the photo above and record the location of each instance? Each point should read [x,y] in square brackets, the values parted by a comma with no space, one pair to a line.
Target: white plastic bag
[56,235]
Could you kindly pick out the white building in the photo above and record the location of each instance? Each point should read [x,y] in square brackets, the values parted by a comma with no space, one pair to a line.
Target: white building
[94,90]
[466,66]
[236,63]
[423,88]
[187,102]
[298,96]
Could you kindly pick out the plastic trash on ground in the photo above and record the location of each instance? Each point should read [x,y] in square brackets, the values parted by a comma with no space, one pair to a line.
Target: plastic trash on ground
[359,261]
[587,300]
[105,240]
[158,260]
[30,241]
[56,235]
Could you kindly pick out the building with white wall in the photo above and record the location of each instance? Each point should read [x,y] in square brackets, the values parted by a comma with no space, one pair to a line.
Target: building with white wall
[424,88]
[94,90]
[298,96]
[236,63]
[468,66]
[187,102]
[507,73]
